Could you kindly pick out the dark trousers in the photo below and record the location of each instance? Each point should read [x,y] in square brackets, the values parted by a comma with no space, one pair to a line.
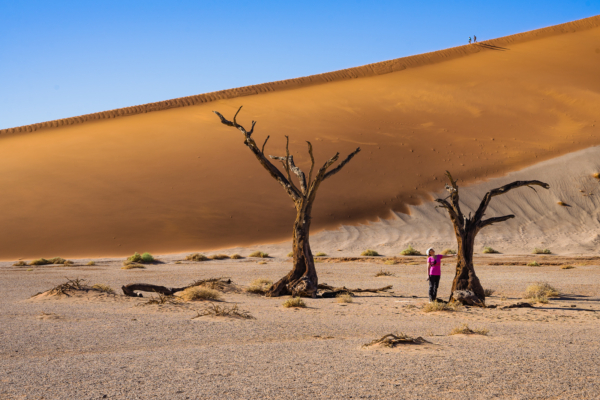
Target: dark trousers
[434,283]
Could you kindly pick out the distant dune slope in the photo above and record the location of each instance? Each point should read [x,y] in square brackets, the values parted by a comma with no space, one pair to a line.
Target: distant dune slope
[177,180]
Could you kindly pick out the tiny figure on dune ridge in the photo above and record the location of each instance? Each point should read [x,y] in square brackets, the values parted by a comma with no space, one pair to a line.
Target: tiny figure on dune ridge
[474,39]
[434,271]
[469,39]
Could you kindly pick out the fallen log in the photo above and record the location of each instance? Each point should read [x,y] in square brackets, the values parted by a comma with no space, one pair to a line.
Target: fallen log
[221,284]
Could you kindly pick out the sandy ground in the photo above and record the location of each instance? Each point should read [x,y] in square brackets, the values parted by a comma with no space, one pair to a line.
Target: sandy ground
[176,179]
[92,347]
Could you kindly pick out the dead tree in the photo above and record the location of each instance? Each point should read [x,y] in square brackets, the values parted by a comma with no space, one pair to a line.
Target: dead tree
[302,279]
[466,229]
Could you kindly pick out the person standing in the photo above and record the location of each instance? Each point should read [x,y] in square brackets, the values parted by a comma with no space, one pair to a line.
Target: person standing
[434,272]
[469,39]
[474,39]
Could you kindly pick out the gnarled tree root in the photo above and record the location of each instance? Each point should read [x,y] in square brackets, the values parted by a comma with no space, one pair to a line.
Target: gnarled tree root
[330,291]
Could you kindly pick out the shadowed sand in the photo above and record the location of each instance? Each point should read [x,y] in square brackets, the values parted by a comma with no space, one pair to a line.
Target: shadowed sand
[177,180]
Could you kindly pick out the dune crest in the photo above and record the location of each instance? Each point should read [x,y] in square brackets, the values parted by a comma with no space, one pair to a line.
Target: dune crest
[379,68]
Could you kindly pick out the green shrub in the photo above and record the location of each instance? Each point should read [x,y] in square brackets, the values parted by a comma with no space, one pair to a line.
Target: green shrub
[369,253]
[320,254]
[541,251]
[147,258]
[410,251]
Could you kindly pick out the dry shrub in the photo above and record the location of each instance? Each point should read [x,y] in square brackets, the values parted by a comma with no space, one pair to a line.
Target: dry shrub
[199,293]
[344,298]
[445,252]
[541,251]
[70,284]
[465,330]
[163,299]
[29,269]
[260,286]
[567,267]
[489,250]
[236,257]
[539,299]
[391,262]
[91,263]
[369,253]
[383,273]
[103,288]
[533,264]
[68,262]
[392,340]
[294,302]
[410,251]
[20,264]
[320,254]
[488,292]
[219,257]
[132,265]
[221,284]
[540,290]
[439,306]
[258,254]
[262,262]
[290,254]
[50,261]
[216,310]
[196,257]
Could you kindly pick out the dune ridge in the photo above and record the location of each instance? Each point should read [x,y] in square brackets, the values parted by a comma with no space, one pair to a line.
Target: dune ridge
[374,69]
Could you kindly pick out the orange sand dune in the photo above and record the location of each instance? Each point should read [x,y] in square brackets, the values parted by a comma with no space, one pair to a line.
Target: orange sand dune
[175,179]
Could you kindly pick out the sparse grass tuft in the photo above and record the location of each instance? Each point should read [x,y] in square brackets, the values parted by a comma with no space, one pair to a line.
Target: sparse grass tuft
[20,264]
[489,250]
[541,251]
[410,251]
[539,299]
[446,252]
[236,257]
[260,286]
[369,253]
[196,257]
[533,264]
[344,298]
[103,288]
[540,289]
[383,273]
[262,262]
[439,306]
[219,257]
[320,254]
[258,254]
[290,254]
[596,175]
[199,293]
[294,302]
[68,262]
[216,310]
[132,265]
[562,203]
[567,267]
[391,262]
[488,292]
[91,263]
[465,330]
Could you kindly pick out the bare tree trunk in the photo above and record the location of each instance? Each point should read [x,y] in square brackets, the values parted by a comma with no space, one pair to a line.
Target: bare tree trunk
[302,279]
[466,229]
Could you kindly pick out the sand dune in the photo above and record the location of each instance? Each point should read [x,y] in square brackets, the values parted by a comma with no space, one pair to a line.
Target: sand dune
[175,179]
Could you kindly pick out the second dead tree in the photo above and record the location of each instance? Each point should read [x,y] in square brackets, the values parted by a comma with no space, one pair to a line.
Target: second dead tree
[302,280]
[466,287]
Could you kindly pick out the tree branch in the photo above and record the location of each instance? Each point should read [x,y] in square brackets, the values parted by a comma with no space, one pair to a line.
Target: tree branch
[312,159]
[291,190]
[295,170]
[502,190]
[264,144]
[452,212]
[342,164]
[490,221]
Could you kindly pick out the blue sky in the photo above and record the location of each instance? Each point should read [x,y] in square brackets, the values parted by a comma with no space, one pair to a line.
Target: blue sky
[65,58]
